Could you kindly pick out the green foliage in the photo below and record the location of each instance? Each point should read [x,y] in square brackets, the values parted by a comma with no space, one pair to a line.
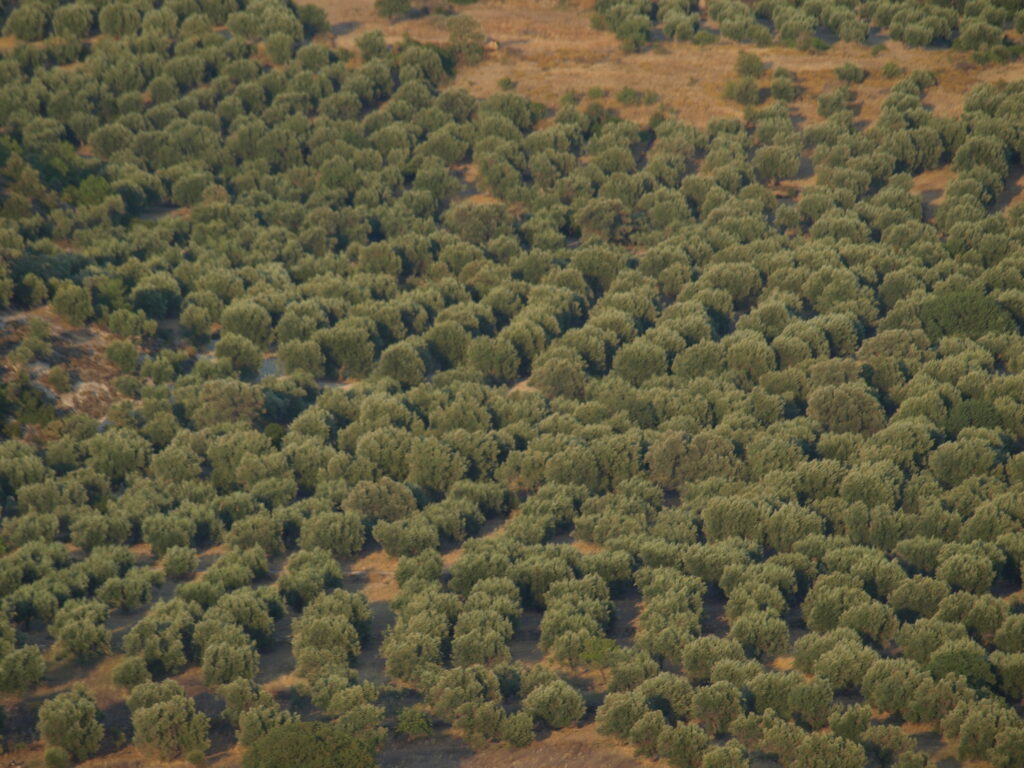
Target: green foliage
[542,359]
[629,97]
[180,562]
[73,303]
[749,65]
[466,38]
[556,703]
[27,22]
[964,313]
[131,672]
[170,728]
[413,724]
[745,91]
[851,73]
[392,9]
[70,721]
[892,70]
[308,745]
[59,379]
[57,757]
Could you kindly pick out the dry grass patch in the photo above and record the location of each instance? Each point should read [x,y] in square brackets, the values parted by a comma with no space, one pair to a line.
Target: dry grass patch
[585,547]
[568,747]
[375,575]
[932,186]
[549,48]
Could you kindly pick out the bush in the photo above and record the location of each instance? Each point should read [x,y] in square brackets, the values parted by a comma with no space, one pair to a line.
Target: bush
[308,745]
[892,70]
[413,724]
[280,47]
[745,91]
[71,721]
[629,97]
[851,73]
[171,728]
[131,672]
[392,9]
[124,355]
[749,65]
[119,19]
[27,22]
[556,703]
[783,86]
[59,379]
[57,757]
[466,38]
[73,303]
[964,313]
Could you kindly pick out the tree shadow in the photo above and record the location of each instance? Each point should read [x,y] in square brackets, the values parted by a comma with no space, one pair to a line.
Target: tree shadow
[345,27]
[928,201]
[876,37]
[1013,188]
[370,663]
[525,641]
[712,617]
[277,660]
[439,751]
[627,611]
[806,168]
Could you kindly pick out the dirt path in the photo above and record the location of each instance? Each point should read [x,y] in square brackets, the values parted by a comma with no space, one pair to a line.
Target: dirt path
[374,577]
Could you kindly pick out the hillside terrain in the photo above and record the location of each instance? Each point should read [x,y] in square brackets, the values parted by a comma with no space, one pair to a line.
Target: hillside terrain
[499,383]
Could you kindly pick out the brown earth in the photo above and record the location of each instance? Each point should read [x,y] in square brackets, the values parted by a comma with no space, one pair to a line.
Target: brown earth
[548,48]
[931,186]
[374,576]
[81,350]
[568,747]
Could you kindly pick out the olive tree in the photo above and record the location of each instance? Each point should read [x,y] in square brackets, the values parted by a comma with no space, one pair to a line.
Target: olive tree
[71,721]
[557,703]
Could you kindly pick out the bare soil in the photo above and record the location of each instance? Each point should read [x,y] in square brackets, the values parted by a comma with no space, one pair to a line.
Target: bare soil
[374,576]
[548,48]
[81,350]
[931,186]
[568,747]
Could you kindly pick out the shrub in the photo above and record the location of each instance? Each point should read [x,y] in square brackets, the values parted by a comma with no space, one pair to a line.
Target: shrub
[131,672]
[308,745]
[783,86]
[556,703]
[413,724]
[964,313]
[171,728]
[119,19]
[124,355]
[70,721]
[851,73]
[629,97]
[745,91]
[749,65]
[73,303]
[280,47]
[59,379]
[466,38]
[27,22]
[392,9]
